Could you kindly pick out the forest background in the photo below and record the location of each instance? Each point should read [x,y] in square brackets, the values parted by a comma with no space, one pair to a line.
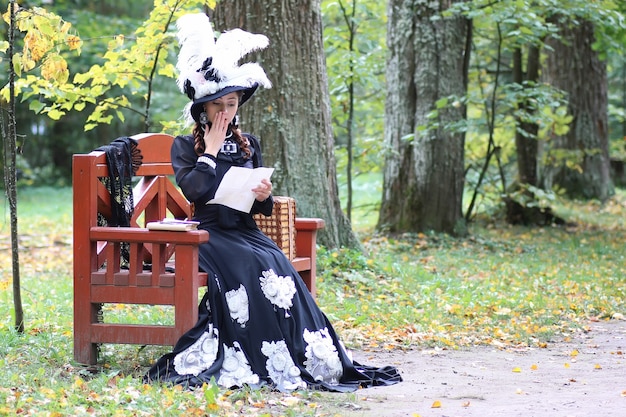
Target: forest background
[503,286]
[498,106]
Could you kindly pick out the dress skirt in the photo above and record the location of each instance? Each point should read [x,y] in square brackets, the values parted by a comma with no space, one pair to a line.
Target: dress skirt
[258,324]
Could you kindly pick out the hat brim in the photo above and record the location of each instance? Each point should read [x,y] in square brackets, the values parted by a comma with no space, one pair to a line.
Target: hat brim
[198,104]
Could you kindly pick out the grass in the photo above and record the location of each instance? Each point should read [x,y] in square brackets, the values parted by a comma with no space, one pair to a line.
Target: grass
[502,286]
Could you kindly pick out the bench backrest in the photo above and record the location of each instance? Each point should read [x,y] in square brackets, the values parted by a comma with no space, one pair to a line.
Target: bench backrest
[154,193]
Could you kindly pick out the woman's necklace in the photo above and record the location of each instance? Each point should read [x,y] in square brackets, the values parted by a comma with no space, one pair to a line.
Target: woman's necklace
[229,147]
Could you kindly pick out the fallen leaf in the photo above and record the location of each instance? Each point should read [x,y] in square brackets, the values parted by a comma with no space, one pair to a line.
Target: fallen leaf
[465,404]
[597,366]
[517,369]
[566,365]
[503,311]
[436,404]
[534,367]
[290,401]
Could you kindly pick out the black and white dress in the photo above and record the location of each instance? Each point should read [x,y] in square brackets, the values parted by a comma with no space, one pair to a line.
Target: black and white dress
[258,324]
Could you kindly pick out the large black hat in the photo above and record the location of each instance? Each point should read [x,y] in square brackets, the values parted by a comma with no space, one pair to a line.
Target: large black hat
[209,68]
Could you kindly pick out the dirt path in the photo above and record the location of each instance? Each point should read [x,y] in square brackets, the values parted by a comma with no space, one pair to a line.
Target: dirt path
[584,377]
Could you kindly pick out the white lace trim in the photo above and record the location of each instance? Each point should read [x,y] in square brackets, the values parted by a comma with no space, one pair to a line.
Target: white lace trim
[199,356]
[238,302]
[323,361]
[278,289]
[280,367]
[236,369]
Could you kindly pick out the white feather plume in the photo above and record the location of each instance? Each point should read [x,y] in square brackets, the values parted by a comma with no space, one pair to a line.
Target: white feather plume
[197,43]
[233,45]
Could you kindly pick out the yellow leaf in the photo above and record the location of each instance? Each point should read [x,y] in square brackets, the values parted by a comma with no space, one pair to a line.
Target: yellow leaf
[290,401]
[597,366]
[436,404]
[566,365]
[517,369]
[574,353]
[74,42]
[534,367]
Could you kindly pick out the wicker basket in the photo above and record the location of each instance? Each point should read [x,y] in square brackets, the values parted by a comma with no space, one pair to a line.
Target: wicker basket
[280,226]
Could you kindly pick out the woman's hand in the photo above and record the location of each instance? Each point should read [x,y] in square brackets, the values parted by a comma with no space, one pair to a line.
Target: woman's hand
[214,137]
[263,190]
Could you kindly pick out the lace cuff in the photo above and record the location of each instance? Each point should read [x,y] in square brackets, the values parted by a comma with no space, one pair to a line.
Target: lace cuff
[207,160]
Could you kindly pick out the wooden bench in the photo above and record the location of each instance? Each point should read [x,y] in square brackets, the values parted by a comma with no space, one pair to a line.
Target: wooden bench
[100,279]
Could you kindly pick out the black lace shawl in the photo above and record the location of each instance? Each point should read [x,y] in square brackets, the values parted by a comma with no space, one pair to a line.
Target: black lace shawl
[123,159]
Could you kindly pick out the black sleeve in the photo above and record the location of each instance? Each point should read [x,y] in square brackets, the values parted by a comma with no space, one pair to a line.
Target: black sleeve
[197,180]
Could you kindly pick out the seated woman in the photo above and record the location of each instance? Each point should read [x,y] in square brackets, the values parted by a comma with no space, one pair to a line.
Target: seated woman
[258,324]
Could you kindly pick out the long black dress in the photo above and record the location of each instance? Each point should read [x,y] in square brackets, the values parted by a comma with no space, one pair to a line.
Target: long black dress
[258,324]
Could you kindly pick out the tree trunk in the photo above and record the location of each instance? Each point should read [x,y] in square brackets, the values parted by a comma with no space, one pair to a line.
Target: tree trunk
[423,177]
[527,147]
[574,67]
[10,178]
[293,118]
[526,142]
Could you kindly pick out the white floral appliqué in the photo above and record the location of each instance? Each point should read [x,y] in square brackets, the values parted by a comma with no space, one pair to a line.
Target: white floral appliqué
[278,289]
[323,361]
[237,301]
[199,356]
[236,369]
[280,367]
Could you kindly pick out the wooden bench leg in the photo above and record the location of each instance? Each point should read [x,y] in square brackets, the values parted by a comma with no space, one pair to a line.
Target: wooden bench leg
[186,294]
[85,313]
[310,282]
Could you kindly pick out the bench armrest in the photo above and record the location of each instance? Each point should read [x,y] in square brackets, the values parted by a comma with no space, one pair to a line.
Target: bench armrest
[309,223]
[139,235]
[306,236]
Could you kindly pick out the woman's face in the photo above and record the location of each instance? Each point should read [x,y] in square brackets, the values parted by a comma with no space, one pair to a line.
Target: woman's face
[227,104]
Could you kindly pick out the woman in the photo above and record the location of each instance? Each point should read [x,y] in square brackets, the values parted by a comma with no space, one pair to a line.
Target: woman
[258,324]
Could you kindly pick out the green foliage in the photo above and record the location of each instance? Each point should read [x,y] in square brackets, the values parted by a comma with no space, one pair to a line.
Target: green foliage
[358,60]
[534,197]
[123,82]
[504,286]
[494,100]
[124,86]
